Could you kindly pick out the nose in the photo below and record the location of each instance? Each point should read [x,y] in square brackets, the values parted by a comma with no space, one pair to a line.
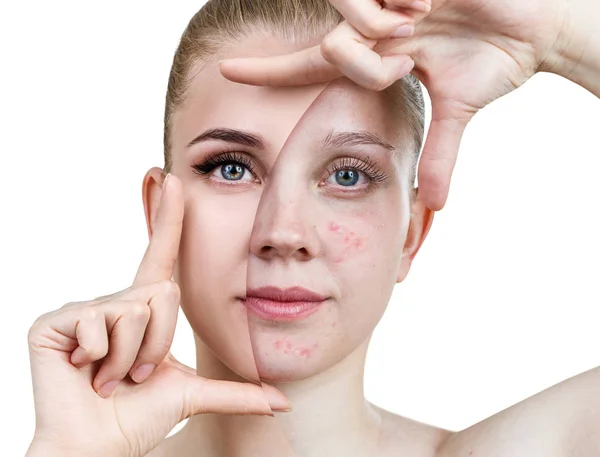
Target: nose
[283,227]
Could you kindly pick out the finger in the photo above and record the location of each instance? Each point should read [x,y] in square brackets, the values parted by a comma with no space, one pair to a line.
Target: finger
[295,69]
[164,306]
[344,52]
[417,5]
[371,18]
[91,336]
[352,53]
[159,260]
[227,397]
[126,322]
[439,155]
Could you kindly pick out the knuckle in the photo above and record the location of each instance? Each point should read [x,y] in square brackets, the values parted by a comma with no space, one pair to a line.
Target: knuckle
[34,330]
[97,351]
[329,48]
[375,29]
[139,310]
[71,304]
[39,324]
[170,289]
[166,345]
[89,313]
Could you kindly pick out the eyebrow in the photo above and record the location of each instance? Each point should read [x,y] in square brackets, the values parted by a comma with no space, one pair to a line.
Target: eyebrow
[345,139]
[231,136]
[332,140]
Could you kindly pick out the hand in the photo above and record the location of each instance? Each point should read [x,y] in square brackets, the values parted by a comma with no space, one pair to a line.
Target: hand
[467,53]
[81,351]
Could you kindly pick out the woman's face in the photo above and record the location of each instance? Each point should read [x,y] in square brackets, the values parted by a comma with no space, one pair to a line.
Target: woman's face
[283,194]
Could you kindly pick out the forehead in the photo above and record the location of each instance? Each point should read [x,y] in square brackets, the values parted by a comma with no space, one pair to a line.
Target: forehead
[213,102]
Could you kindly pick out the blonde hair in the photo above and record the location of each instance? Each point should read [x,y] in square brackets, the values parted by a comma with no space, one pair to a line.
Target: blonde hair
[220,22]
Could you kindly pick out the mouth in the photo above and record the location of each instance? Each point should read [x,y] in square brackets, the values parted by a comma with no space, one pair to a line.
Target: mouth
[275,304]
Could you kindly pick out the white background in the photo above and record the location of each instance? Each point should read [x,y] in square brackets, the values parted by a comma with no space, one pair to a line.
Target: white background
[502,300]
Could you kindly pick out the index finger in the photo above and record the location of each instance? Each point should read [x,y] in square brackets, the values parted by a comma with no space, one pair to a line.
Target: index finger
[160,257]
[343,52]
[295,69]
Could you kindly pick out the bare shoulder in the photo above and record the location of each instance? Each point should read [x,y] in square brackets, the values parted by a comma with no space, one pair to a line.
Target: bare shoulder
[403,436]
[561,421]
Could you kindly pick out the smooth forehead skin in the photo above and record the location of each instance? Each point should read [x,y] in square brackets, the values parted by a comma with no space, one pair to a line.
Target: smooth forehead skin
[213,101]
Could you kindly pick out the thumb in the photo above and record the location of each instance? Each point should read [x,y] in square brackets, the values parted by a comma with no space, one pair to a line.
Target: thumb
[440,152]
[202,396]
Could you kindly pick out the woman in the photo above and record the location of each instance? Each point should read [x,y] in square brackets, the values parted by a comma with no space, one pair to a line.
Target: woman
[309,229]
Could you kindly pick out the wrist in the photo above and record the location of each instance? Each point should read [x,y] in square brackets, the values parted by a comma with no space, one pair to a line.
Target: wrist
[43,448]
[576,51]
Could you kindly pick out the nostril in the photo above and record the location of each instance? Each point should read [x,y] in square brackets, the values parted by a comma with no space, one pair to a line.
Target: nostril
[266,249]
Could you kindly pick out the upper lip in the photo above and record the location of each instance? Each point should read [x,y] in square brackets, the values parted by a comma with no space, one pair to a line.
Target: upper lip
[291,294]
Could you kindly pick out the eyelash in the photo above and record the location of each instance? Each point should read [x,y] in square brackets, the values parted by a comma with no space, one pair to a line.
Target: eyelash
[221,158]
[364,164]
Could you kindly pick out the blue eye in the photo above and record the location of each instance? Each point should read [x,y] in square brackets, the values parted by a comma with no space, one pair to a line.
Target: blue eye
[233,171]
[347,177]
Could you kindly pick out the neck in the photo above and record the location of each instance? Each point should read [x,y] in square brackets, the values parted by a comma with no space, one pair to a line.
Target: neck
[329,416]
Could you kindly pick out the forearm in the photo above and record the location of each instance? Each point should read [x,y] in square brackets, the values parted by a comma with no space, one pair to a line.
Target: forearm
[576,54]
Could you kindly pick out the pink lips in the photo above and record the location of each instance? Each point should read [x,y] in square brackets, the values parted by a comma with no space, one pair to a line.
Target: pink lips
[272,303]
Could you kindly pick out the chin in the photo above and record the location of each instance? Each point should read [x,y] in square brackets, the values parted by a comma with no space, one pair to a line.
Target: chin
[291,359]
[292,369]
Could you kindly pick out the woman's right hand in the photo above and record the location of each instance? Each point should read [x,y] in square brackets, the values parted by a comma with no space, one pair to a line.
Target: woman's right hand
[467,53]
[79,348]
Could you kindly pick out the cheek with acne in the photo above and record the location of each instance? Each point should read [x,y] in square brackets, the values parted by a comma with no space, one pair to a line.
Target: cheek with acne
[347,242]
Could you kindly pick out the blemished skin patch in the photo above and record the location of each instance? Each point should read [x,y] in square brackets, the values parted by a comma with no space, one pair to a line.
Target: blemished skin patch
[347,240]
[287,347]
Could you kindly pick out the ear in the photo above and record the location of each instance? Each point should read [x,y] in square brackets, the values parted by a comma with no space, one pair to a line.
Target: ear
[151,193]
[421,218]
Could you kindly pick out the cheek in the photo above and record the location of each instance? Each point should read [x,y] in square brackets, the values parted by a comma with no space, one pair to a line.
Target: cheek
[345,242]
[359,235]
[215,237]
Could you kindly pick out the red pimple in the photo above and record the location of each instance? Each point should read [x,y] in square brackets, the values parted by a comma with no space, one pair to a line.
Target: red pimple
[305,353]
[334,227]
[277,344]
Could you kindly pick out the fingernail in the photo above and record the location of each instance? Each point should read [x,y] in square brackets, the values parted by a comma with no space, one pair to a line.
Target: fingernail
[420,6]
[403,31]
[142,372]
[278,402]
[287,409]
[166,180]
[108,388]
[406,68]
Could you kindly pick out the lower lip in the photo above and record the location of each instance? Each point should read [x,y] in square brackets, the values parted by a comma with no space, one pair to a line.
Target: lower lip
[281,311]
